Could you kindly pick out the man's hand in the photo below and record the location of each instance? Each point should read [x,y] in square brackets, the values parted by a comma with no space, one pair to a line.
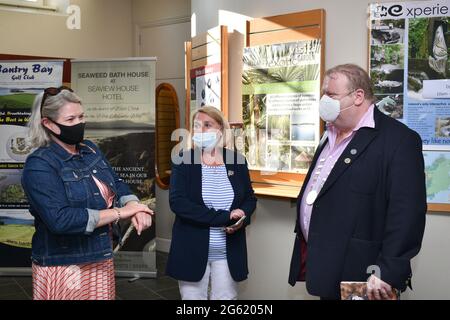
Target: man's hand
[377,289]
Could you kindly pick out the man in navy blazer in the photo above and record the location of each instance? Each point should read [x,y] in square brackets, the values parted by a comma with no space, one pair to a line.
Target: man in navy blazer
[362,206]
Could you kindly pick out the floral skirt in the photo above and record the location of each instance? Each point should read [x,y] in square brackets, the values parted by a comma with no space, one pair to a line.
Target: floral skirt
[92,281]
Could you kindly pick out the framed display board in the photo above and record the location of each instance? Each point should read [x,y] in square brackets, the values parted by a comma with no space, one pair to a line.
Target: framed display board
[167,117]
[281,82]
[409,63]
[207,71]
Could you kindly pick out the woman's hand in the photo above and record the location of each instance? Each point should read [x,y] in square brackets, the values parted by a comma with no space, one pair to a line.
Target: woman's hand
[234,228]
[141,221]
[142,217]
[132,208]
[128,211]
[236,214]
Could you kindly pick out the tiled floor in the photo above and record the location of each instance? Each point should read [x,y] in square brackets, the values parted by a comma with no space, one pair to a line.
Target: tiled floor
[160,288]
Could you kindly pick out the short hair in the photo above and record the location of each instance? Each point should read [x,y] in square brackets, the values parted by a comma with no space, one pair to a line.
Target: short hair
[357,77]
[39,137]
[218,116]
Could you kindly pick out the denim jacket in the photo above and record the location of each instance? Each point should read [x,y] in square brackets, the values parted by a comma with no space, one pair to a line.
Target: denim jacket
[65,202]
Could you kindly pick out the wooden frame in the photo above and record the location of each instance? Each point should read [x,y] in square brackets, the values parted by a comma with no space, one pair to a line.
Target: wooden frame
[307,25]
[439,207]
[204,50]
[167,119]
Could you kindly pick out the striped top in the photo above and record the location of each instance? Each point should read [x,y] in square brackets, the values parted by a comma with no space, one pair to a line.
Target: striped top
[105,191]
[218,194]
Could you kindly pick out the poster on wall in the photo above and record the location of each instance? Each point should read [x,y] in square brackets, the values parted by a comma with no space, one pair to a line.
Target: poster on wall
[437,168]
[206,86]
[20,82]
[281,92]
[119,102]
[410,69]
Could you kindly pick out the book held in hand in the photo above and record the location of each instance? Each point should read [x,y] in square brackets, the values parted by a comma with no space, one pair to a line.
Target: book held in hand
[354,290]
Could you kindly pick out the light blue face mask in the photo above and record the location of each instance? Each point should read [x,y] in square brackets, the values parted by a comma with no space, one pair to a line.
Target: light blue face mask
[205,140]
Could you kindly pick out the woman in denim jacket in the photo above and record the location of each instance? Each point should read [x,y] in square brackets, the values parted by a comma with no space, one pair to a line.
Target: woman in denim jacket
[75,197]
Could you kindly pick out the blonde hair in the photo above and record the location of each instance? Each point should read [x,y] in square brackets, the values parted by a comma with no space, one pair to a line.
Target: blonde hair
[217,115]
[357,77]
[39,137]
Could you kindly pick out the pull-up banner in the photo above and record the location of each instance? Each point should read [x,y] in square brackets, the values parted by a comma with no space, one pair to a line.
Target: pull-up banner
[20,82]
[119,103]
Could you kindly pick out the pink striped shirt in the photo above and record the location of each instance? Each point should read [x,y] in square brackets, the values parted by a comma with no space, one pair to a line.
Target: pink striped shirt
[105,191]
[325,163]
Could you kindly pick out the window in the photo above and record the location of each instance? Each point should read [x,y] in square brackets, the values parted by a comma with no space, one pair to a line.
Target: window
[23,3]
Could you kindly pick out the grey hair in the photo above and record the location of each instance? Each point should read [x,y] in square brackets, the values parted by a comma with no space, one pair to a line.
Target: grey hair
[38,135]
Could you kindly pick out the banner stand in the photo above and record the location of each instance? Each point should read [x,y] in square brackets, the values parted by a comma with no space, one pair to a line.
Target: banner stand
[20,82]
[119,102]
[15,272]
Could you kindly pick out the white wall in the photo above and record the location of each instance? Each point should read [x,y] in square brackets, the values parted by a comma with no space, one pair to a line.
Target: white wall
[270,237]
[164,27]
[106,32]
[346,39]
[145,11]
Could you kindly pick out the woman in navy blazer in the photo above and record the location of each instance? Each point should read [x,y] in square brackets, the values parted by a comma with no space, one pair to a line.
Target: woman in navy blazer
[199,200]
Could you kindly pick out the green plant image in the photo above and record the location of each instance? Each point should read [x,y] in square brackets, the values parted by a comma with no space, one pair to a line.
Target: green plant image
[16,101]
[418,44]
[387,54]
[279,128]
[429,51]
[254,116]
[16,235]
[13,194]
[275,78]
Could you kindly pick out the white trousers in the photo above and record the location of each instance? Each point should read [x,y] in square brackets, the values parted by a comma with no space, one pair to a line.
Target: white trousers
[223,287]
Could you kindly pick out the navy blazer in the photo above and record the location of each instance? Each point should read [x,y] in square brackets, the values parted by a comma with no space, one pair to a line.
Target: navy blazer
[370,211]
[188,254]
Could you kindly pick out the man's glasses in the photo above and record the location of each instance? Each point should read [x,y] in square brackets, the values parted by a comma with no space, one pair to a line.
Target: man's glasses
[52,91]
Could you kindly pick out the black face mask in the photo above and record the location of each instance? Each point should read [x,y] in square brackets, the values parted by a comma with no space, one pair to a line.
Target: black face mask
[70,134]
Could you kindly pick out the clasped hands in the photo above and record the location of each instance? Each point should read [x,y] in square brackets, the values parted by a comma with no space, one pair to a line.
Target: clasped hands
[236,214]
[141,215]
